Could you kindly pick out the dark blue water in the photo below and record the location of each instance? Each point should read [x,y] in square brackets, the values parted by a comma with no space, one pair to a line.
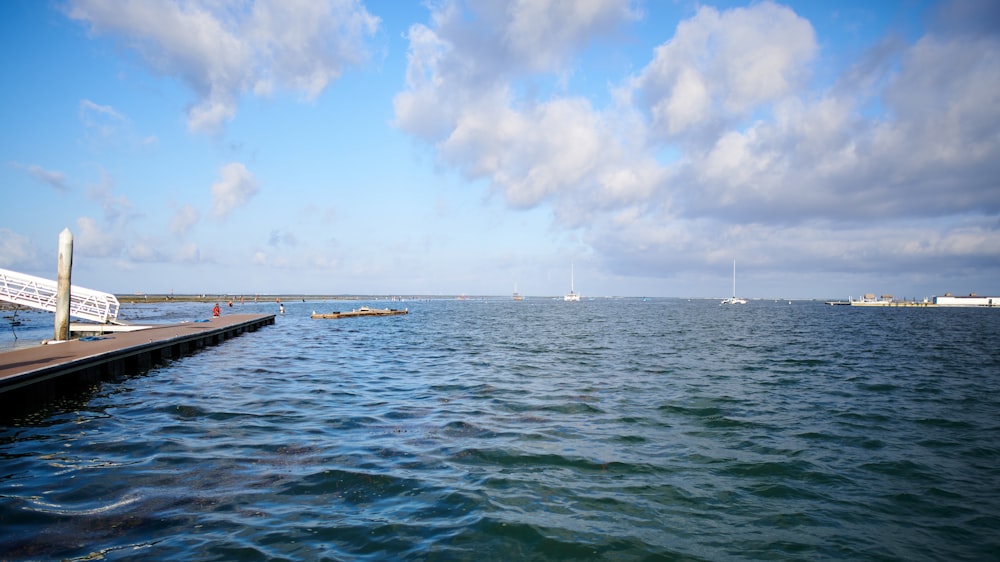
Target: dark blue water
[541,430]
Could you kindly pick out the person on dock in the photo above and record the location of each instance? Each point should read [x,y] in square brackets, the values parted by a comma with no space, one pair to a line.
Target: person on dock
[216,311]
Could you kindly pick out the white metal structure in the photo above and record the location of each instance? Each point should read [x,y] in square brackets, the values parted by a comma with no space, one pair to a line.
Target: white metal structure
[28,290]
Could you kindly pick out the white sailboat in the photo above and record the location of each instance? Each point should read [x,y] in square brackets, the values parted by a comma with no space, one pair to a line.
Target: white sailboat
[572,296]
[734,299]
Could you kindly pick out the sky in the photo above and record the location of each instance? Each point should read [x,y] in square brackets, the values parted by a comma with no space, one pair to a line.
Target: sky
[448,147]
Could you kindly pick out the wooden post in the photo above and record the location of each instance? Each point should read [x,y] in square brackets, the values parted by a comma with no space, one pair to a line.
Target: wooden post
[63,284]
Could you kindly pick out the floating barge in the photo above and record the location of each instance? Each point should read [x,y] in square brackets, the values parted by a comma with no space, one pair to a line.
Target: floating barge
[363,311]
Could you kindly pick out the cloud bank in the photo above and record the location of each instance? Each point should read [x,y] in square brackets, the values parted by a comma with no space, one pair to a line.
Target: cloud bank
[234,190]
[55,180]
[723,143]
[733,132]
[226,49]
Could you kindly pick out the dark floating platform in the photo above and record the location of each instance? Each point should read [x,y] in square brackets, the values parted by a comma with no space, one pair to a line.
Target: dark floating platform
[363,311]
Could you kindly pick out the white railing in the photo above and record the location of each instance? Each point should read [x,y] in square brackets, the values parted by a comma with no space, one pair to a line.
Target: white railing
[28,290]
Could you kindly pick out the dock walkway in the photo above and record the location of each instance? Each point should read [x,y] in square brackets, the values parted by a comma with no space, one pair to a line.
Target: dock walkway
[43,370]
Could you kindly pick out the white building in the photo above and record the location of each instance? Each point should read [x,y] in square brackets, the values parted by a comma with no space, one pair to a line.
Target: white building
[970,300]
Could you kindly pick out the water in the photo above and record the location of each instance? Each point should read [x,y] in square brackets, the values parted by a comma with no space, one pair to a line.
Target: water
[542,430]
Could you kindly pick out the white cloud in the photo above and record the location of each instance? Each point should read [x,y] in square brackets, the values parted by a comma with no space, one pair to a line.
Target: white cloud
[947,117]
[460,95]
[88,107]
[475,48]
[720,67]
[103,124]
[118,211]
[932,153]
[418,110]
[225,49]
[55,180]
[281,238]
[527,155]
[546,34]
[188,253]
[184,220]
[95,240]
[561,151]
[642,245]
[145,251]
[234,190]
[16,250]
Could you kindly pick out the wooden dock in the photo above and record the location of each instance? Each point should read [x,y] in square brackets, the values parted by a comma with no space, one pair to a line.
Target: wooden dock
[30,375]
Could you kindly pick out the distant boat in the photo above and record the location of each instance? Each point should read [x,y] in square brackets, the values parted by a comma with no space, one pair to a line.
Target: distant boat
[517,296]
[572,296]
[734,299]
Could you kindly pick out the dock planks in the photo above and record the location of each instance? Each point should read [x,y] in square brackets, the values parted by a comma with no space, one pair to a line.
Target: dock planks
[36,372]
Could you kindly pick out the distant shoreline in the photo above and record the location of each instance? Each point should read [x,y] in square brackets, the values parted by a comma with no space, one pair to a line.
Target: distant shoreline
[153,297]
[132,298]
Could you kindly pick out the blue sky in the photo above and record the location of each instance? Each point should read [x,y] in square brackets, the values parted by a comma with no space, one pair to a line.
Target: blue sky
[831,148]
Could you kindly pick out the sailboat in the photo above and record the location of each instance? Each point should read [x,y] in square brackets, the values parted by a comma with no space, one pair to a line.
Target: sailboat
[734,299]
[517,296]
[572,296]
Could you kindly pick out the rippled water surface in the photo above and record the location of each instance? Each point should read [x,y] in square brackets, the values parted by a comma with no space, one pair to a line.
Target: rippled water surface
[606,429]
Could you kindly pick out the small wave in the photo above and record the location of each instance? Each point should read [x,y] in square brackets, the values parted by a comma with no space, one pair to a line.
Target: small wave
[57,509]
[464,429]
[878,387]
[904,469]
[959,425]
[184,411]
[694,412]
[537,462]
[785,492]
[497,538]
[351,486]
[573,408]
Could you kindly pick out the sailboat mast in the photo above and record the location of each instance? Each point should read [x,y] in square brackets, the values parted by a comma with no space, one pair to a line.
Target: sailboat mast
[734,279]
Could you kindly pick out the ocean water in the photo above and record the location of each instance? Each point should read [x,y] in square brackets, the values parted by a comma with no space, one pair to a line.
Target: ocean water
[612,429]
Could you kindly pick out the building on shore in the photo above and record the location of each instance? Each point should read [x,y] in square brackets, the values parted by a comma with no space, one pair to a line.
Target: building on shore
[948,300]
[969,300]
